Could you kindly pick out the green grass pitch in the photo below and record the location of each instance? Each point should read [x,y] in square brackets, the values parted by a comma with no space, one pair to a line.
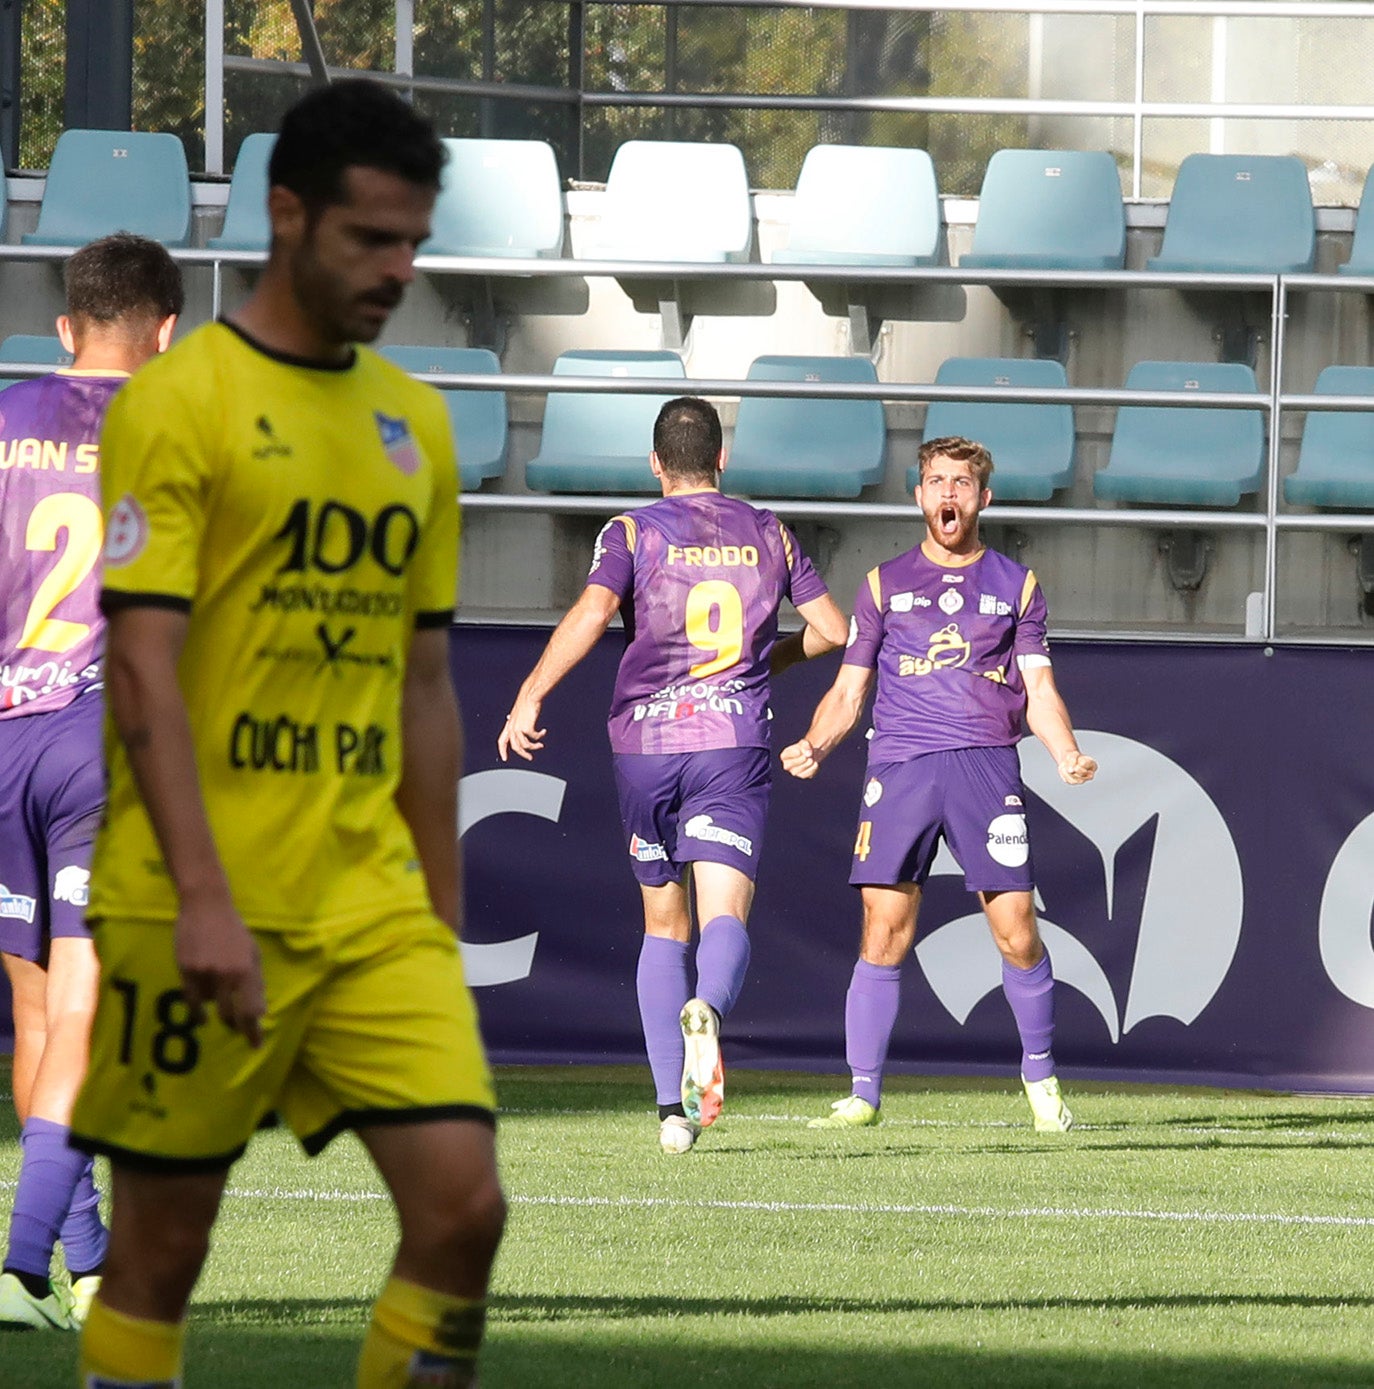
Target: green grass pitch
[1176,1237]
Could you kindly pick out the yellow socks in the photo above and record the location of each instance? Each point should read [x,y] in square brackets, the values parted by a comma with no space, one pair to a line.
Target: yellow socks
[421,1337]
[117,1350]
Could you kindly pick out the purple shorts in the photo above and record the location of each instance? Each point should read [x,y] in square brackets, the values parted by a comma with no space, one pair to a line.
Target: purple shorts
[51,797]
[970,796]
[683,807]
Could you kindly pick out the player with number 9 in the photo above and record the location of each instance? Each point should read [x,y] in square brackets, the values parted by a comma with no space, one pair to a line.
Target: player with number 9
[699,577]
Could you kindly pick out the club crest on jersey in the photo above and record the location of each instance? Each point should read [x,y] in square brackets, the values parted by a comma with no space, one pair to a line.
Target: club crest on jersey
[398,443]
[951,600]
[873,792]
[127,533]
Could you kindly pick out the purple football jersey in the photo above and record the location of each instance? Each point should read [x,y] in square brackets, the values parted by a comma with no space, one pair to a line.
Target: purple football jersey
[947,644]
[704,576]
[52,633]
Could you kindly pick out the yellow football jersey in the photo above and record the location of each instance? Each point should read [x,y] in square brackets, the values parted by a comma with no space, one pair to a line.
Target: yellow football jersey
[307,519]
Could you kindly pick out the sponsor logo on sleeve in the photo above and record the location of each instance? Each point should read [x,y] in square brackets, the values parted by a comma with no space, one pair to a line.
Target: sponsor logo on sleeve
[853,631]
[72,884]
[127,534]
[644,852]
[14,906]
[704,828]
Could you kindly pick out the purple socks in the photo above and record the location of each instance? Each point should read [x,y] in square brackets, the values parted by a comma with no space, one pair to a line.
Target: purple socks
[870,1010]
[49,1175]
[661,982]
[1031,995]
[722,959]
[83,1234]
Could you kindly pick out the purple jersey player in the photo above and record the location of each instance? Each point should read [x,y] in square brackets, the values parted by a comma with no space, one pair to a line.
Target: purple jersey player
[699,578]
[123,295]
[955,635]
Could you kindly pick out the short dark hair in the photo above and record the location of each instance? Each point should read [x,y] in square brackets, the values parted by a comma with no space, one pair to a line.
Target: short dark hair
[120,278]
[688,439]
[958,450]
[352,123]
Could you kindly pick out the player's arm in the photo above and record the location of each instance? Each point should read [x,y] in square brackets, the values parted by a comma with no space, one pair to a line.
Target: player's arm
[1048,718]
[841,707]
[581,628]
[215,952]
[825,630]
[431,767]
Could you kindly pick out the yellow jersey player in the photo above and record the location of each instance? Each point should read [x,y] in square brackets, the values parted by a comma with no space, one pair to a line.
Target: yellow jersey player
[277,894]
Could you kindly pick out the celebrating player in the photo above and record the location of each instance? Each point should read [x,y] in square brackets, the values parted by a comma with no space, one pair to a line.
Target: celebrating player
[705,575]
[123,295]
[956,636]
[276,887]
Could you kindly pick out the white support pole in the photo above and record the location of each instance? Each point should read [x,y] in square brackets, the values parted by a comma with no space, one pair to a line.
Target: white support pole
[214,86]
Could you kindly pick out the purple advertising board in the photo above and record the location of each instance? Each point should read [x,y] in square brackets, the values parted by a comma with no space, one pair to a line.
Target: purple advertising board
[1206,900]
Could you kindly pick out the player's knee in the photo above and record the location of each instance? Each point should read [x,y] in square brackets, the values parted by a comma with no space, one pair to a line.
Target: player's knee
[465,1229]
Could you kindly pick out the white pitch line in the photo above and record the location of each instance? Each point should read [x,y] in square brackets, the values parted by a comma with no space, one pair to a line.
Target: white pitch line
[842,1208]
[855,1208]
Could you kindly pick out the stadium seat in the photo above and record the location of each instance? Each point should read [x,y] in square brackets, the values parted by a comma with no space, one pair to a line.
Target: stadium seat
[1185,457]
[601,443]
[1336,459]
[103,181]
[676,200]
[1049,210]
[478,417]
[31,347]
[245,218]
[1239,214]
[1361,260]
[864,205]
[790,447]
[1032,446]
[499,198]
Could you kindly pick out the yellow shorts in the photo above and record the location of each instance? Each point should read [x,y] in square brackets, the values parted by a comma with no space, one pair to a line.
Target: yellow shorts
[365,1025]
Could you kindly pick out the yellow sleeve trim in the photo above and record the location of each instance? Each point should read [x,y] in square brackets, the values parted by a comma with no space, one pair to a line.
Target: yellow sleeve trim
[875,587]
[786,543]
[1027,592]
[631,531]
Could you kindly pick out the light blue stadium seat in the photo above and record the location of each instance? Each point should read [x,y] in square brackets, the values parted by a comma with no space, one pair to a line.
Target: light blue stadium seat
[1361,260]
[1336,460]
[103,181]
[1183,457]
[1049,210]
[478,417]
[1032,446]
[31,347]
[499,198]
[676,200]
[807,448]
[246,227]
[1239,214]
[864,205]
[601,443]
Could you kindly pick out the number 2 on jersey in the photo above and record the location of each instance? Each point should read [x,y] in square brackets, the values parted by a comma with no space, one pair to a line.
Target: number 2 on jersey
[714,621]
[80,517]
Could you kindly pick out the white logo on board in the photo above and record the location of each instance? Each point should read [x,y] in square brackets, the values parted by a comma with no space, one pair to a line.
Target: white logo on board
[1193,901]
